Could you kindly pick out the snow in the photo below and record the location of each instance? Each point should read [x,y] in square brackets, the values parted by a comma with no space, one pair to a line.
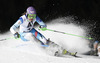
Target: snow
[17,51]
[14,56]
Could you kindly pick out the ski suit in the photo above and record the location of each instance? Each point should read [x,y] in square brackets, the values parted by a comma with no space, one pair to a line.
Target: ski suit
[27,27]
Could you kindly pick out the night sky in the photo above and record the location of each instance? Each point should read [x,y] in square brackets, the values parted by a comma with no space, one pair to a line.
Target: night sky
[87,10]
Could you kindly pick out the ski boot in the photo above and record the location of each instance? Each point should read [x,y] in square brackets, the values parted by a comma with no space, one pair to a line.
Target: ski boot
[57,54]
[94,52]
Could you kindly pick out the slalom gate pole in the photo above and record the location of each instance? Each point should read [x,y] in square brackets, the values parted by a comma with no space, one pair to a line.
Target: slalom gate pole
[68,33]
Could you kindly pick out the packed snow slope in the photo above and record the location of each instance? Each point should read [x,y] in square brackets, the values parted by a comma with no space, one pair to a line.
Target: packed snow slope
[17,51]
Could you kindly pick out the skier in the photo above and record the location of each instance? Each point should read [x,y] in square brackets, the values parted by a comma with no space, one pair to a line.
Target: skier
[96,48]
[26,27]
[27,32]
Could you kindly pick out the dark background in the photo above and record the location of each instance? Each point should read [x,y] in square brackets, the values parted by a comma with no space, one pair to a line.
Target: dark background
[87,12]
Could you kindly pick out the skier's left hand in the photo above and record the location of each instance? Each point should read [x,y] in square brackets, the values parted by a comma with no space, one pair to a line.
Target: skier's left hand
[42,28]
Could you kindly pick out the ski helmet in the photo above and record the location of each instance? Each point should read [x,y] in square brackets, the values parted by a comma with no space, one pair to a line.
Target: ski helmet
[31,10]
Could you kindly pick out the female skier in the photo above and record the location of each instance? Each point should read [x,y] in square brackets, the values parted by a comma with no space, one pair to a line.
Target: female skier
[27,32]
[26,27]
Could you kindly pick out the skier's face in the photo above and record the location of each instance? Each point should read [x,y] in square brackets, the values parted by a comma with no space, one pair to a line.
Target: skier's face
[31,16]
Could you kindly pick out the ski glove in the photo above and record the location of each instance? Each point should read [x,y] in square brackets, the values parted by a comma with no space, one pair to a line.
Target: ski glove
[42,28]
[17,35]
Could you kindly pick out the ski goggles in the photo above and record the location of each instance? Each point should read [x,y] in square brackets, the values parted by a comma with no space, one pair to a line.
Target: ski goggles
[31,16]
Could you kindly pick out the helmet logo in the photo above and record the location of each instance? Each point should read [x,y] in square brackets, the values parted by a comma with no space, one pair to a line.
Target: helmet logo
[31,12]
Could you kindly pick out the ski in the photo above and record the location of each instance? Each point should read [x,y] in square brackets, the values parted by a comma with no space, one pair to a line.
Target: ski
[67,55]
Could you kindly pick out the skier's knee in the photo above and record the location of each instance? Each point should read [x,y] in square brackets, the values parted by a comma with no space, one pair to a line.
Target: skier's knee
[43,40]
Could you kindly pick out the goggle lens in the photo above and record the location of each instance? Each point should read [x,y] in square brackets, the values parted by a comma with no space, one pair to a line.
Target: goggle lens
[31,16]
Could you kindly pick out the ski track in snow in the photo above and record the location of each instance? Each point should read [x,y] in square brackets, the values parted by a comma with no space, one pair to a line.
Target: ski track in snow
[17,51]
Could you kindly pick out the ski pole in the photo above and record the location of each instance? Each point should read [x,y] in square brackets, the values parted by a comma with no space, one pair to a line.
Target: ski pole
[65,33]
[8,38]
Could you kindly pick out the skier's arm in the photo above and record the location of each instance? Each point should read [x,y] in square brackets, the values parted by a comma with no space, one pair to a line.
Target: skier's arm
[40,22]
[16,26]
